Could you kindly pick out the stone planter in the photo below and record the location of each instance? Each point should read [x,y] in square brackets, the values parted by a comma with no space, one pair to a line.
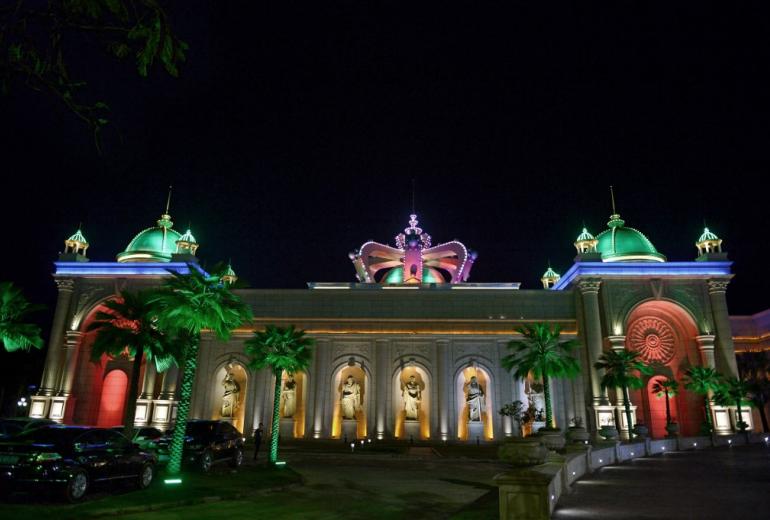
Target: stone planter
[672,429]
[642,431]
[578,435]
[609,433]
[527,451]
[553,439]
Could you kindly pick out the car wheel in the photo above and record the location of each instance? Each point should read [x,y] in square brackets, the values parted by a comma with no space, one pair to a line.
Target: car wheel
[206,461]
[77,485]
[237,459]
[145,476]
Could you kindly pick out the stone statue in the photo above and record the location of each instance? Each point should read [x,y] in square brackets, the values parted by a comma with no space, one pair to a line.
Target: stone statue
[412,395]
[350,402]
[230,398]
[289,396]
[475,400]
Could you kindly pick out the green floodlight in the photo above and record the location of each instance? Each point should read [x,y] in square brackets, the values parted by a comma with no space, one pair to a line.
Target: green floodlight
[280,463]
[172,481]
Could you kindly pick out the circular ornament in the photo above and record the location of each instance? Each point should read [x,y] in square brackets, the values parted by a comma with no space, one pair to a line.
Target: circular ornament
[653,339]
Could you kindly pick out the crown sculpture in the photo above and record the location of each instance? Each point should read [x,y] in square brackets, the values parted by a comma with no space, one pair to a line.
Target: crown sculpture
[413,260]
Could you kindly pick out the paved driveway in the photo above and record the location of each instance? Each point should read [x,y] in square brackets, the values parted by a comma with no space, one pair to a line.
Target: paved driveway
[721,483]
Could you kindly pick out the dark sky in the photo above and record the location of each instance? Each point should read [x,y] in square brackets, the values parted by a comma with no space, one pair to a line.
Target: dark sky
[292,136]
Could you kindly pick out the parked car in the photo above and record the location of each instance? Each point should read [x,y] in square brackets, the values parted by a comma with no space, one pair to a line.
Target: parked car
[72,459]
[15,425]
[147,438]
[210,442]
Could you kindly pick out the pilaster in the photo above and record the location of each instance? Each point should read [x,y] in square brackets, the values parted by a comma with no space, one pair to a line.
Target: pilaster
[49,383]
[725,350]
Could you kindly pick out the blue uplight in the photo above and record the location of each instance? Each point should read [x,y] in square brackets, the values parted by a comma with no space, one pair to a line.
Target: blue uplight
[622,269]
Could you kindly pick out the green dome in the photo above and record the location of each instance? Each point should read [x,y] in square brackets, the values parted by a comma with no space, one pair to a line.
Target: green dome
[155,244]
[625,244]
[707,235]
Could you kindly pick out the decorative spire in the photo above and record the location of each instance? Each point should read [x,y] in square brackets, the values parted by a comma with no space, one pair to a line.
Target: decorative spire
[615,220]
[708,243]
[76,244]
[550,277]
[165,218]
[187,243]
[229,277]
[585,242]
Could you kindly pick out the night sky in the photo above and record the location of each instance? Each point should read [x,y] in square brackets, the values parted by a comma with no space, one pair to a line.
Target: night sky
[292,137]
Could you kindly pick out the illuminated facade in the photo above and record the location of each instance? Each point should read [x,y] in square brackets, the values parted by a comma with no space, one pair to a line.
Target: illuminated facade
[413,325]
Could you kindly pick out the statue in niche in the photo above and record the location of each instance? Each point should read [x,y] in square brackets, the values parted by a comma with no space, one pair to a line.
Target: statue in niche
[350,402]
[289,396]
[412,395]
[474,399]
[230,397]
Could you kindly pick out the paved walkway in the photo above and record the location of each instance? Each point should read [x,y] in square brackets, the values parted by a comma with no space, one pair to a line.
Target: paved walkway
[715,483]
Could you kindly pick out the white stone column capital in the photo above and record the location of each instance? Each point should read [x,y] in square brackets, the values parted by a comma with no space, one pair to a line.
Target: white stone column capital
[589,285]
[705,341]
[65,284]
[617,342]
[718,285]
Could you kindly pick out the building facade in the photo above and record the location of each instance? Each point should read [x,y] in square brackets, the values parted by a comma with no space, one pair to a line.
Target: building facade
[412,350]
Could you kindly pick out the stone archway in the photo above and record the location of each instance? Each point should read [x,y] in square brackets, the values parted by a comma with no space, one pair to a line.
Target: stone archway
[664,334]
[113,399]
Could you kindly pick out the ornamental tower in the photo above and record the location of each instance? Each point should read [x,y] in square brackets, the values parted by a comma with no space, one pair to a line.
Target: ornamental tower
[709,247]
[414,260]
[549,278]
[75,248]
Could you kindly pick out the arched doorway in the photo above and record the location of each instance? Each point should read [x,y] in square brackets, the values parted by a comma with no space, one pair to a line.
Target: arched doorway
[292,408]
[664,334]
[113,400]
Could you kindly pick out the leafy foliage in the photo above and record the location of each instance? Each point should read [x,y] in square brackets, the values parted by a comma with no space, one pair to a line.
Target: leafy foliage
[666,387]
[187,304]
[542,354]
[15,332]
[755,369]
[37,37]
[704,381]
[620,371]
[279,348]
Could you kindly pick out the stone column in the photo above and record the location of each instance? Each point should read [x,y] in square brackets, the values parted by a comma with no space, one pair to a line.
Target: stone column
[170,381]
[382,357]
[706,349]
[725,351]
[321,369]
[506,384]
[148,386]
[589,289]
[71,344]
[53,358]
[444,387]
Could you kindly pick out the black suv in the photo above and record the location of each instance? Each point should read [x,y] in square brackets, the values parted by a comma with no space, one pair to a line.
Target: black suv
[209,442]
[72,458]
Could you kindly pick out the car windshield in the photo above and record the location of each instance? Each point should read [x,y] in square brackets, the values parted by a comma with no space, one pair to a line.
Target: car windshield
[200,428]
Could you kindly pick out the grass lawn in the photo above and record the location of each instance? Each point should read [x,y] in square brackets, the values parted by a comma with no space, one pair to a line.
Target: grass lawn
[221,483]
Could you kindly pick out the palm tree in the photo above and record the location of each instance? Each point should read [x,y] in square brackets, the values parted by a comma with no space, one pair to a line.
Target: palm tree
[280,349]
[189,303]
[706,381]
[543,355]
[734,391]
[15,333]
[666,387]
[619,367]
[128,327]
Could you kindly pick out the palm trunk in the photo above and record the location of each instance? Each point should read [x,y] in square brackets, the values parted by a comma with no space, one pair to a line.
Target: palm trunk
[739,414]
[708,414]
[627,406]
[547,398]
[183,410]
[129,414]
[276,418]
[668,410]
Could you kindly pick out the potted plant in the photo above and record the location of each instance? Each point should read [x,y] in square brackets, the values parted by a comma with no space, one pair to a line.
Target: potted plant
[520,450]
[577,432]
[668,388]
[608,430]
[641,430]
